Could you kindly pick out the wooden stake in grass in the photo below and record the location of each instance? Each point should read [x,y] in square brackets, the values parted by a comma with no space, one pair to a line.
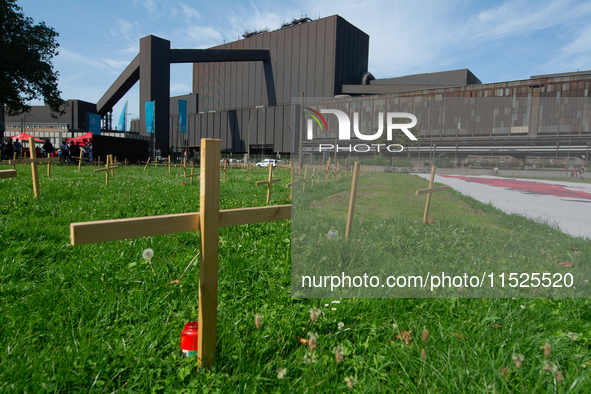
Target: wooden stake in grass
[291,184]
[146,166]
[169,164]
[428,192]
[48,165]
[208,221]
[304,182]
[269,182]
[112,167]
[352,200]
[80,160]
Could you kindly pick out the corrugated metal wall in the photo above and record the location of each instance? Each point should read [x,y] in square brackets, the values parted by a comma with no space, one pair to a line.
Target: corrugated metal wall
[316,58]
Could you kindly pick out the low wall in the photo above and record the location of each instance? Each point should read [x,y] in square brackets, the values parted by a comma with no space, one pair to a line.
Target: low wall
[545,174]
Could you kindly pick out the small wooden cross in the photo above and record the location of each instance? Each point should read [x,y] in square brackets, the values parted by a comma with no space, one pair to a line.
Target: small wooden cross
[428,192]
[291,184]
[305,174]
[192,174]
[7,174]
[208,221]
[49,165]
[352,197]
[146,166]
[269,182]
[34,161]
[80,161]
[108,167]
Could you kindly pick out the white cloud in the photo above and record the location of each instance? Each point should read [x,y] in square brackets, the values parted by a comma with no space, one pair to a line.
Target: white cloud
[151,7]
[576,55]
[203,36]
[179,88]
[69,56]
[116,65]
[188,12]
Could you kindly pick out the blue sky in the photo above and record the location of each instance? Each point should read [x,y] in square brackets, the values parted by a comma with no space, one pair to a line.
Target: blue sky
[497,40]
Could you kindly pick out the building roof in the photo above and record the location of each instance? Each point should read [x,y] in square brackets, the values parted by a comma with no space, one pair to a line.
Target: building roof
[463,77]
[561,74]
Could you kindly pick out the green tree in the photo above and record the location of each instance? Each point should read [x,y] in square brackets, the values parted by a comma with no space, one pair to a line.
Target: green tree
[398,137]
[26,70]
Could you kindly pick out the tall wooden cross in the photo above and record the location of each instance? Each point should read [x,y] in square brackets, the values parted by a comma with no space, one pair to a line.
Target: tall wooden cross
[428,192]
[34,161]
[208,221]
[269,182]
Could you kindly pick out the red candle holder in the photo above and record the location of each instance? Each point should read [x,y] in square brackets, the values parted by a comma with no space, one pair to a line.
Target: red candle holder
[189,338]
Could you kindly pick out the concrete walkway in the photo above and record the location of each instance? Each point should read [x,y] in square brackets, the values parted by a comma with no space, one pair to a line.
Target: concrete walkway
[567,204]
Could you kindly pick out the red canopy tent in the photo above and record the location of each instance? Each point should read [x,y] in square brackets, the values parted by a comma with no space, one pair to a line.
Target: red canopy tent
[83,138]
[25,136]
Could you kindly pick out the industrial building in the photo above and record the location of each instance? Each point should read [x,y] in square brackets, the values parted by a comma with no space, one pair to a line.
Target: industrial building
[243,93]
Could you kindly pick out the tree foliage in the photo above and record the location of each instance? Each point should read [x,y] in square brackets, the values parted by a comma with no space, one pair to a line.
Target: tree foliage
[26,70]
[398,136]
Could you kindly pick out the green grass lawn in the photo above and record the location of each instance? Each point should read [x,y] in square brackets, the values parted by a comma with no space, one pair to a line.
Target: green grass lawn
[98,318]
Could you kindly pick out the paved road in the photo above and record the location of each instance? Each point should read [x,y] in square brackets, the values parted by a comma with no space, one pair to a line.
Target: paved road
[567,204]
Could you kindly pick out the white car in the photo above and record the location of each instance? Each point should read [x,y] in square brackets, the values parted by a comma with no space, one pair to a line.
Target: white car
[266,162]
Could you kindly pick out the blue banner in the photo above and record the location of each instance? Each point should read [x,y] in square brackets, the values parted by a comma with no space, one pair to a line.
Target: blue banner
[94,124]
[121,126]
[150,117]
[183,115]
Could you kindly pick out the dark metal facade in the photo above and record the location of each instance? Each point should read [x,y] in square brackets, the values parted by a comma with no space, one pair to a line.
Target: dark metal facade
[316,58]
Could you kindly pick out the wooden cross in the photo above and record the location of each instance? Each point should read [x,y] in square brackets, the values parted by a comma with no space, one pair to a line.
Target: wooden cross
[352,197]
[291,184]
[34,161]
[304,182]
[80,161]
[428,192]
[192,175]
[208,221]
[108,166]
[7,174]
[269,182]
[113,165]
[49,165]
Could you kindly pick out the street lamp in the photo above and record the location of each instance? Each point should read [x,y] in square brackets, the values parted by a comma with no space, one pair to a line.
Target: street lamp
[24,121]
[251,118]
